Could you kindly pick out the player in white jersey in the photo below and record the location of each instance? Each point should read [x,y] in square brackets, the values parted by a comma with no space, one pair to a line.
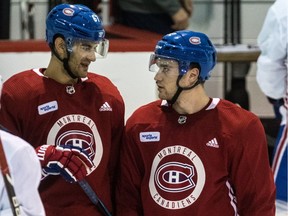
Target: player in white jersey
[25,171]
[272,78]
[26,174]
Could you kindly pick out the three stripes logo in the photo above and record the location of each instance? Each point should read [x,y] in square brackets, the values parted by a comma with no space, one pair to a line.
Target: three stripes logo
[213,143]
[105,107]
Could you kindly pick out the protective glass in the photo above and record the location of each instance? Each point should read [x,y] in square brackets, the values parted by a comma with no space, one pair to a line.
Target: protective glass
[158,63]
[99,48]
[102,48]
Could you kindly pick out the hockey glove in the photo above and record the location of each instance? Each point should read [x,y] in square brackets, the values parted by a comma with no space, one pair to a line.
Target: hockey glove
[70,162]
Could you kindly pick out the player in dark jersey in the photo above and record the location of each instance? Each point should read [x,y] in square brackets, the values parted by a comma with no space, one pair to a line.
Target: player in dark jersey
[72,117]
[189,154]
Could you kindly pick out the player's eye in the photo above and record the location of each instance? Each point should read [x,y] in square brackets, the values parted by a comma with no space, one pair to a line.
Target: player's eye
[164,68]
[88,47]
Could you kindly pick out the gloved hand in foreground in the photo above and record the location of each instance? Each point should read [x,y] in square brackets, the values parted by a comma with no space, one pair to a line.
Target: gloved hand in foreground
[70,162]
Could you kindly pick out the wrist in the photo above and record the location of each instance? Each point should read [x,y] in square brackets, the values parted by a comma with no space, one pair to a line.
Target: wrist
[276,102]
[41,152]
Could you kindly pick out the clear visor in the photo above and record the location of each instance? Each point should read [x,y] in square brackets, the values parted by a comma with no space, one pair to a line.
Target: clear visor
[102,48]
[158,63]
[99,48]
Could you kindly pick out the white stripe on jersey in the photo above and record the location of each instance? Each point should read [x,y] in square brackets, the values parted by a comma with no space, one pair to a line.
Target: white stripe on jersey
[232,197]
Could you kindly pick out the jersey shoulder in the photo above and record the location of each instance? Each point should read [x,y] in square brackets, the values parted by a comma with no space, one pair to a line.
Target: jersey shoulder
[104,85]
[230,108]
[27,76]
[145,114]
[100,80]
[23,83]
[234,116]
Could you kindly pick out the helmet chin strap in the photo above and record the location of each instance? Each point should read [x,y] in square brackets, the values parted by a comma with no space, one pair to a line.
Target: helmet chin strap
[67,68]
[180,89]
[65,62]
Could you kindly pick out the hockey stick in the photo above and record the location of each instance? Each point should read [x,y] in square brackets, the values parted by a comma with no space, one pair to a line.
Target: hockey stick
[94,198]
[8,182]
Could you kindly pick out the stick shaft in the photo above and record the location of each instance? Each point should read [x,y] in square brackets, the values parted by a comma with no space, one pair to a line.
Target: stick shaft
[93,197]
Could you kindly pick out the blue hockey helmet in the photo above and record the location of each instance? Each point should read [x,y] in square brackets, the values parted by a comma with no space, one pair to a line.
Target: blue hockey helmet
[187,47]
[74,22]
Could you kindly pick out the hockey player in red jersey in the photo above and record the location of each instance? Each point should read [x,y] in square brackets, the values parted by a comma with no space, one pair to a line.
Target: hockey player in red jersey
[188,153]
[72,117]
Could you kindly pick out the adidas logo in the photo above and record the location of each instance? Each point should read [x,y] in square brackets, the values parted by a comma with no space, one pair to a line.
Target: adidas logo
[213,143]
[105,107]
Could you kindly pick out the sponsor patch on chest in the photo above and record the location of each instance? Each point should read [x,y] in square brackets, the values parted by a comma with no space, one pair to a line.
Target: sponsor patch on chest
[47,107]
[153,136]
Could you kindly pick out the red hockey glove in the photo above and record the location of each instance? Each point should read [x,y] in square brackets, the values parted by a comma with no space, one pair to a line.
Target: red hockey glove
[70,162]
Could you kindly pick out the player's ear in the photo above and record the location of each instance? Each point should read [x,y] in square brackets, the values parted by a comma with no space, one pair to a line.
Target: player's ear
[60,46]
[190,77]
[193,74]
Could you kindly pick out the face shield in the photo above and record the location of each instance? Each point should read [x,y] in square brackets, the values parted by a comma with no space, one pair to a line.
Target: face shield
[102,48]
[158,63]
[99,48]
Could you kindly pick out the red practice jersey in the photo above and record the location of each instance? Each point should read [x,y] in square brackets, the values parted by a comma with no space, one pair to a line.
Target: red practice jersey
[213,162]
[89,114]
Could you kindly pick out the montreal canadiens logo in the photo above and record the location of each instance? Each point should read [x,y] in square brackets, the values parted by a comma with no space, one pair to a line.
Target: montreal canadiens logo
[86,136]
[68,11]
[177,177]
[194,40]
[77,138]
